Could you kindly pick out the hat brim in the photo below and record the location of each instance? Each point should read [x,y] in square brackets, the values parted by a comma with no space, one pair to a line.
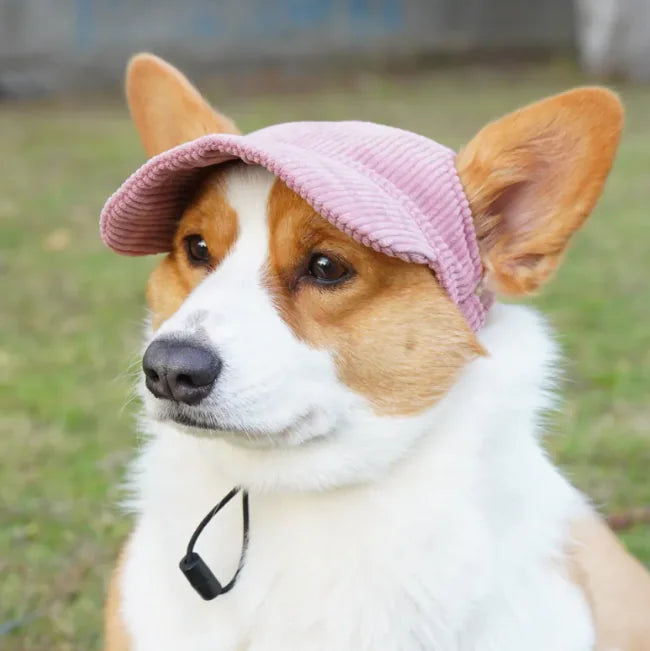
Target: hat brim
[142,216]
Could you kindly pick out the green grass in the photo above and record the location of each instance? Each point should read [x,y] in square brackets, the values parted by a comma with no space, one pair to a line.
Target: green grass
[70,316]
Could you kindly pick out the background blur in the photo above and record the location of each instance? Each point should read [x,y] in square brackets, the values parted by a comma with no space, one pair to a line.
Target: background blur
[71,311]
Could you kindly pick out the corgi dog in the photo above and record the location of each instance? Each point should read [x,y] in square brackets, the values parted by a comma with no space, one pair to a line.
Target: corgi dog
[326,337]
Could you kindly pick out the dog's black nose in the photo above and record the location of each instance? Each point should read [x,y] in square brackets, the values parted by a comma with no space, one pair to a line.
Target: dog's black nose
[180,371]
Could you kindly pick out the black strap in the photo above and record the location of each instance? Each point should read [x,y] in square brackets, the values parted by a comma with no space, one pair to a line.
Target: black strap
[194,567]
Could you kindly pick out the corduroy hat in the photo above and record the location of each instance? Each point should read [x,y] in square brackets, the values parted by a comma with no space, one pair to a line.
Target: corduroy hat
[392,190]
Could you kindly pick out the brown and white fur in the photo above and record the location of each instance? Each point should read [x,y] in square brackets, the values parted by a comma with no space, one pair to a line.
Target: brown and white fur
[401,499]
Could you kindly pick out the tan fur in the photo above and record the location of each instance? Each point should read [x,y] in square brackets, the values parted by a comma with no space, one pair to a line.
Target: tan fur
[208,215]
[115,635]
[616,585]
[166,109]
[396,336]
[532,178]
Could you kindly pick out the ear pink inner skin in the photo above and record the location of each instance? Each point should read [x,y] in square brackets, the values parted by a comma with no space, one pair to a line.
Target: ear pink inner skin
[389,189]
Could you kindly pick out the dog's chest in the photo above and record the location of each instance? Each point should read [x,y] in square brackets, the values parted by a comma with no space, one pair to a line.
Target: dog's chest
[408,565]
[321,573]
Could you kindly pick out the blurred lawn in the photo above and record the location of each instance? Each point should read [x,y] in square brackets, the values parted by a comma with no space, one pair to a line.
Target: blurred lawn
[70,318]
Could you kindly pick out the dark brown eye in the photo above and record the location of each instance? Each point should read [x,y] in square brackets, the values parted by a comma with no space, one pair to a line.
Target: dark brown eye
[197,250]
[327,270]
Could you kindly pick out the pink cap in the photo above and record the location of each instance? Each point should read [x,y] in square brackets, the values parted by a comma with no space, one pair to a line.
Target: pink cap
[392,190]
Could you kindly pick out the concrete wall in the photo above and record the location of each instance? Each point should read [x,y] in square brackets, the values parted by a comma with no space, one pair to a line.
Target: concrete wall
[50,44]
[614,37]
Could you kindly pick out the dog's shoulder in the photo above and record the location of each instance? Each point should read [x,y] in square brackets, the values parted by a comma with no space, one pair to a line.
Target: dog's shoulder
[116,637]
[615,584]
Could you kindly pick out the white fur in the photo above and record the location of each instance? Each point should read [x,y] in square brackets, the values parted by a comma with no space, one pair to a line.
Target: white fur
[444,531]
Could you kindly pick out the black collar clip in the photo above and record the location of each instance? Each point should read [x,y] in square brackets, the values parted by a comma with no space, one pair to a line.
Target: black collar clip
[196,571]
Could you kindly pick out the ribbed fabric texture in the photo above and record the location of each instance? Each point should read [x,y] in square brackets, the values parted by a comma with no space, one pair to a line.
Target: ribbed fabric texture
[389,189]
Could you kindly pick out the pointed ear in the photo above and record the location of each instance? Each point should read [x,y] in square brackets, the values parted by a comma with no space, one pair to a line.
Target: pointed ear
[533,177]
[166,108]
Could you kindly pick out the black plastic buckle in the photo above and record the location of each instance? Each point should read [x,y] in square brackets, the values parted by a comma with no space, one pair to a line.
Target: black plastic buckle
[195,569]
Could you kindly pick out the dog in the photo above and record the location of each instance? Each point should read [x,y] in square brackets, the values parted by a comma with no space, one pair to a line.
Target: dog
[325,338]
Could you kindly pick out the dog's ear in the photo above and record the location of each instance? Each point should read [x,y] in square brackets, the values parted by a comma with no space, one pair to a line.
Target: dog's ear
[532,178]
[166,108]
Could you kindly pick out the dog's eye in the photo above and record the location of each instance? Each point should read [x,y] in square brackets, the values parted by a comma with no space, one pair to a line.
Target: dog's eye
[327,270]
[197,250]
